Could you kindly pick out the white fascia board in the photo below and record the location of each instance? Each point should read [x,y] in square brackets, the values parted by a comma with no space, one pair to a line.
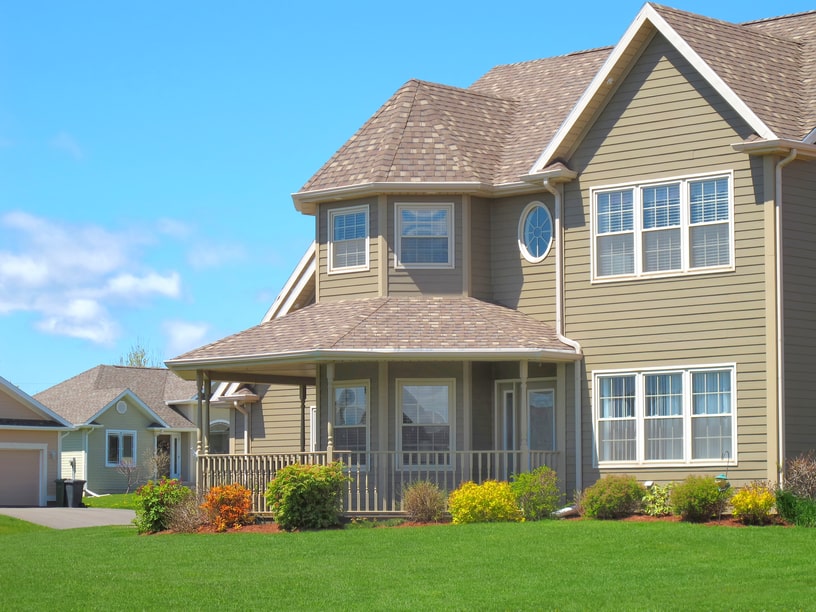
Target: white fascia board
[777,146]
[32,403]
[648,13]
[810,138]
[295,284]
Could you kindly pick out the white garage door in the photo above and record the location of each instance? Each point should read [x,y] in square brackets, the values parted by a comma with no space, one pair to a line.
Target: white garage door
[19,477]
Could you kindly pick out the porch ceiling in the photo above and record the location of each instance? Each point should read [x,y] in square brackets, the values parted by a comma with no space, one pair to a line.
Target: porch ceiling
[388,328]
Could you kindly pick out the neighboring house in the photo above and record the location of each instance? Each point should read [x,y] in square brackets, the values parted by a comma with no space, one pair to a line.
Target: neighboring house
[601,262]
[122,417]
[30,438]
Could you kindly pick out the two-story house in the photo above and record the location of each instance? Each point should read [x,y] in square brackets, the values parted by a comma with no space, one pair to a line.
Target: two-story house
[600,262]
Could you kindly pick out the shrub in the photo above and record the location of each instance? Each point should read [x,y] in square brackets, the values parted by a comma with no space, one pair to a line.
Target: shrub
[698,498]
[489,502]
[753,503]
[800,475]
[423,501]
[153,502]
[611,497]
[801,511]
[187,515]
[537,493]
[307,496]
[228,506]
[657,500]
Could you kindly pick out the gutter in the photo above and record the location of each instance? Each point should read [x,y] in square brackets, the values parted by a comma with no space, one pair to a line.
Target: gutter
[780,322]
[559,330]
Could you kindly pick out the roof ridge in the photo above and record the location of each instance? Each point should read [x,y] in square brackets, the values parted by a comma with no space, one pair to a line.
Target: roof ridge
[383,301]
[777,18]
[390,165]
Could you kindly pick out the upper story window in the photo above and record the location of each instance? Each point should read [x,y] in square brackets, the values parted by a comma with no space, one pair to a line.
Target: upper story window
[535,232]
[348,239]
[672,227]
[424,235]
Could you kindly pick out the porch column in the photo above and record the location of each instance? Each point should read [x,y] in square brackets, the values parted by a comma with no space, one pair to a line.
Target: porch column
[206,423]
[302,418]
[330,411]
[199,421]
[525,416]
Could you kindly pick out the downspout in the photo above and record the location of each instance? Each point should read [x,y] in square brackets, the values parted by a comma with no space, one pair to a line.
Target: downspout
[246,414]
[559,330]
[780,323]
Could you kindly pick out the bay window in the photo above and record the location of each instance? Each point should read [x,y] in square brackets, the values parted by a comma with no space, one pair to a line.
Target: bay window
[348,239]
[424,235]
[668,416]
[351,419]
[425,425]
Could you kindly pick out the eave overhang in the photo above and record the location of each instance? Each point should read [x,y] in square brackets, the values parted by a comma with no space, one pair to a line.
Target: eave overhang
[777,147]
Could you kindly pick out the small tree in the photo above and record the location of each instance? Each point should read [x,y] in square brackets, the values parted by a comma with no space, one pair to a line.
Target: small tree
[140,356]
[130,471]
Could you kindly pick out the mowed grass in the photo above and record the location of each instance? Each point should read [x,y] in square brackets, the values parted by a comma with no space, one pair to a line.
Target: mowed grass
[564,565]
[126,501]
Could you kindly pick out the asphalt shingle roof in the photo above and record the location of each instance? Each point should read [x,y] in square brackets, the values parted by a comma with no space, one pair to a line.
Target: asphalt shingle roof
[385,324]
[79,398]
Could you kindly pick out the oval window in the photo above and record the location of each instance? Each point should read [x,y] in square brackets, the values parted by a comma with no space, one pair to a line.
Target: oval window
[535,232]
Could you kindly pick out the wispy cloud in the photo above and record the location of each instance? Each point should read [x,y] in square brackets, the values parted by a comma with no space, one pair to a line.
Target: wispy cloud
[210,255]
[66,143]
[75,278]
[183,336]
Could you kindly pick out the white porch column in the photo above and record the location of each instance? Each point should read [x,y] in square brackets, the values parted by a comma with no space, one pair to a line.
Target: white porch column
[330,411]
[525,416]
[206,423]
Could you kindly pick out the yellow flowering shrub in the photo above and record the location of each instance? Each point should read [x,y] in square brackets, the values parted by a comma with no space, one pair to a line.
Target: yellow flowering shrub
[753,503]
[489,502]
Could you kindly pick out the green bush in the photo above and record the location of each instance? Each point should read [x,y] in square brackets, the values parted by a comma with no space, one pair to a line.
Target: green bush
[154,501]
[423,501]
[307,496]
[537,493]
[489,502]
[800,475]
[698,498]
[611,497]
[801,511]
[753,503]
[657,501]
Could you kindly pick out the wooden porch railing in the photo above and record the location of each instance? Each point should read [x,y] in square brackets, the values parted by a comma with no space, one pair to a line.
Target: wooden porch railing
[377,478]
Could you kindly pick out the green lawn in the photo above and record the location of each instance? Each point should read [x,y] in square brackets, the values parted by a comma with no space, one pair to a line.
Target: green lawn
[117,500]
[529,566]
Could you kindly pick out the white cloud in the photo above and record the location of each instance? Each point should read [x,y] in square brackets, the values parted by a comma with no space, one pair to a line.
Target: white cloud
[183,336]
[174,228]
[76,278]
[63,141]
[210,255]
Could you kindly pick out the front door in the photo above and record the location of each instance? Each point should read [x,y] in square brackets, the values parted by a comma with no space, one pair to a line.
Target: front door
[538,426]
[168,455]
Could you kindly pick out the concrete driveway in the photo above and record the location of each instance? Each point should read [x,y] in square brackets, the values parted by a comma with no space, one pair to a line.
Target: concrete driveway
[71,518]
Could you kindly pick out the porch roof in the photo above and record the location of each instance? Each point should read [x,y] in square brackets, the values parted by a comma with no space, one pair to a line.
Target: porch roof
[386,328]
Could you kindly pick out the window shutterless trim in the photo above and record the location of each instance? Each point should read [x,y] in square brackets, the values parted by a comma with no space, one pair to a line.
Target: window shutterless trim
[119,433]
[638,231]
[687,417]
[348,384]
[399,264]
[522,241]
[400,383]
[335,212]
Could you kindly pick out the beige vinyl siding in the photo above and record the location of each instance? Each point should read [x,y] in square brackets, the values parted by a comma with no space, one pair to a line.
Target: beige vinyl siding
[73,447]
[11,408]
[665,122]
[275,425]
[518,283]
[417,281]
[481,250]
[799,252]
[482,412]
[347,285]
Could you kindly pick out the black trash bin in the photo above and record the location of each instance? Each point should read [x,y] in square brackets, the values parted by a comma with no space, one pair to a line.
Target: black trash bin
[73,493]
[60,492]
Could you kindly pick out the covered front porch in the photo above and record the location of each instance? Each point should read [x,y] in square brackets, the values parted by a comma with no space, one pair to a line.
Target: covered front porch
[441,389]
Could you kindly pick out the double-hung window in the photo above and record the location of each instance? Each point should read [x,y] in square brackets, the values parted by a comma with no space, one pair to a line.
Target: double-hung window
[426,408]
[672,227]
[668,416]
[348,239]
[424,235]
[351,419]
[120,448]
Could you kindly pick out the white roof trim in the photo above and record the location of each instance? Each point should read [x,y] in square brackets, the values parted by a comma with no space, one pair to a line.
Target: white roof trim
[648,13]
[31,403]
[294,286]
[810,138]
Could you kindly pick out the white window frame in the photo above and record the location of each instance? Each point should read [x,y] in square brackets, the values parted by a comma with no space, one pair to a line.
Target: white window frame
[728,456]
[638,230]
[337,212]
[398,208]
[120,433]
[450,383]
[522,242]
[348,384]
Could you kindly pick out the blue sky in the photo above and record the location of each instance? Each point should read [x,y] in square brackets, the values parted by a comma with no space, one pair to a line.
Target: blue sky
[148,151]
